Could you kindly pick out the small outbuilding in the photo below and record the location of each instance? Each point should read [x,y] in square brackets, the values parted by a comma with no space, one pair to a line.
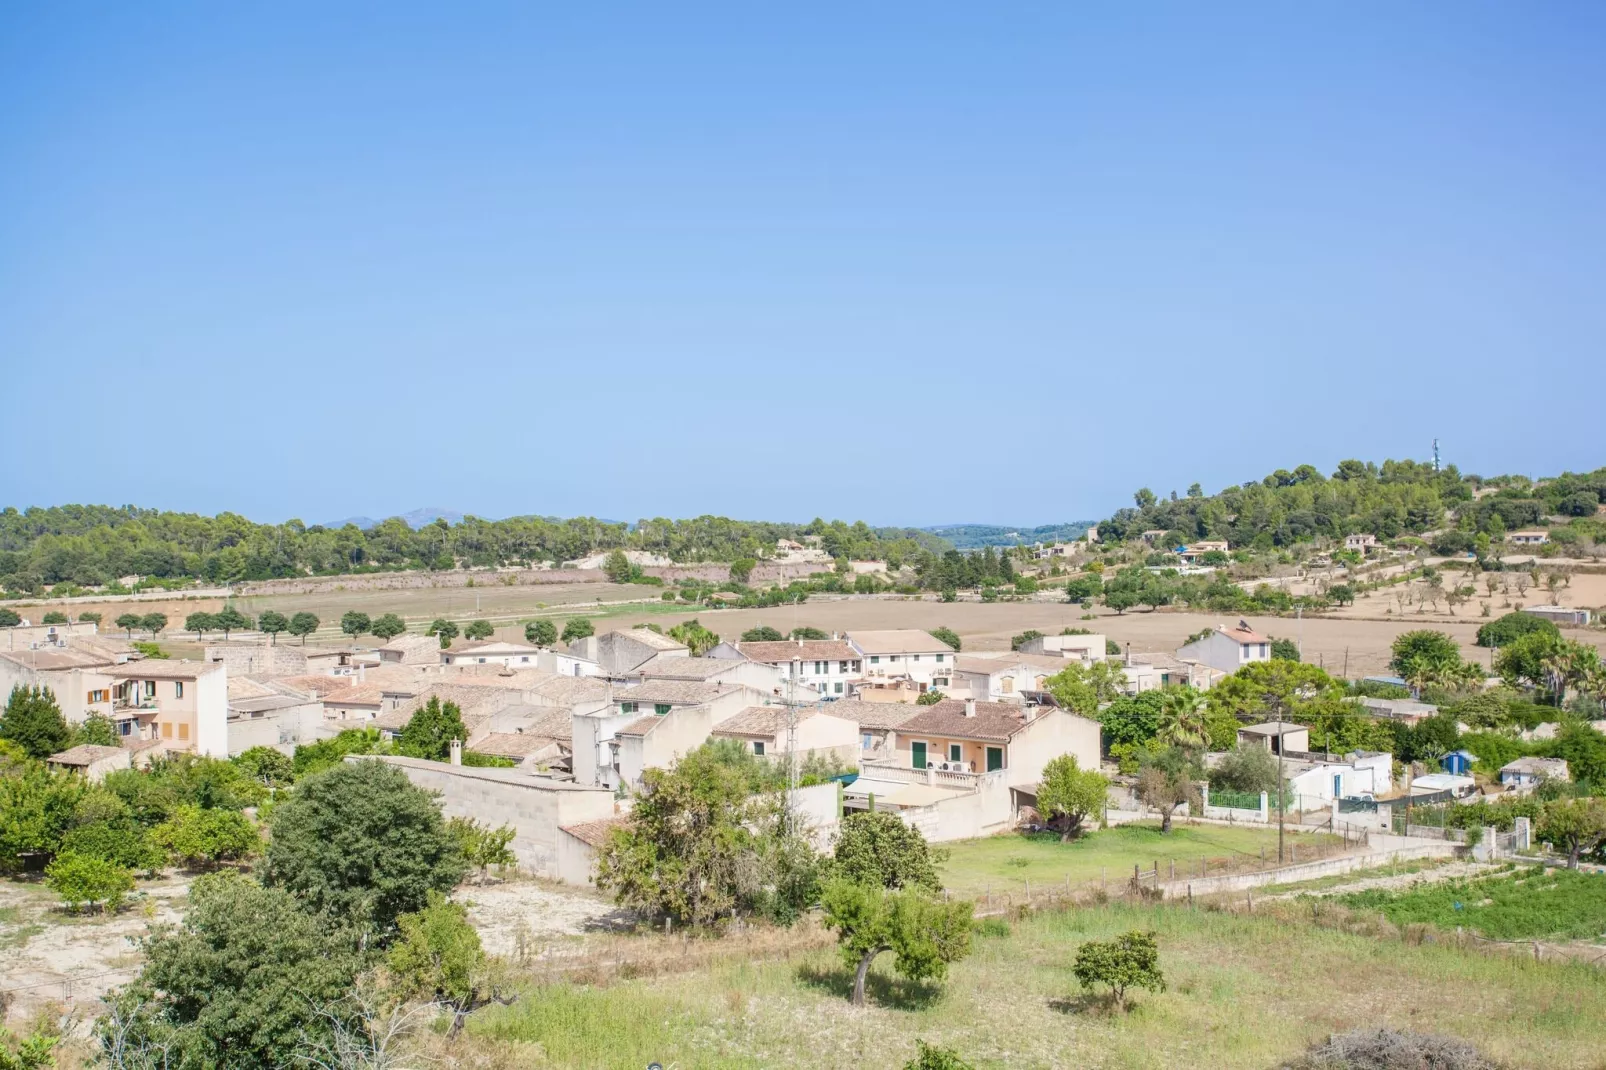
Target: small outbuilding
[92,760]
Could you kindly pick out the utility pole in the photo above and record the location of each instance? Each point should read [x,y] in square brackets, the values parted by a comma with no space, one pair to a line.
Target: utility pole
[1281,803]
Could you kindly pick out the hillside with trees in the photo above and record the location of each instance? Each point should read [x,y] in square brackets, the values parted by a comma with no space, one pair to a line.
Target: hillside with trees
[1390,500]
[94,545]
[976,536]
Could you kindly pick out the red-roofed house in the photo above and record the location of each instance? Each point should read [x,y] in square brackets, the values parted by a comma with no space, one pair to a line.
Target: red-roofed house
[1228,649]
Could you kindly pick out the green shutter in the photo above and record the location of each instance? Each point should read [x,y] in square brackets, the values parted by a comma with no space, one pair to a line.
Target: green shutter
[917,752]
[995,758]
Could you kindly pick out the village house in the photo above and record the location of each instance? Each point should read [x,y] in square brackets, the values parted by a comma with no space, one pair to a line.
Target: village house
[1193,552]
[619,652]
[1153,535]
[259,659]
[1228,649]
[93,761]
[727,671]
[614,745]
[890,692]
[1083,648]
[764,731]
[1362,542]
[184,704]
[1278,737]
[30,636]
[1146,672]
[1006,678]
[80,679]
[410,650]
[985,737]
[903,652]
[544,741]
[1526,774]
[830,666]
[491,652]
[961,769]
[1314,781]
[875,720]
[1529,537]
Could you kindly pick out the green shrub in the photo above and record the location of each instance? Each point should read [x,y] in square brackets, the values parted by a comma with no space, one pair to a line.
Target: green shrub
[85,880]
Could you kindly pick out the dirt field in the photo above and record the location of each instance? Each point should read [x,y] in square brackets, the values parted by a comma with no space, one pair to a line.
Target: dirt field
[1330,641]
[47,956]
[1355,638]
[533,913]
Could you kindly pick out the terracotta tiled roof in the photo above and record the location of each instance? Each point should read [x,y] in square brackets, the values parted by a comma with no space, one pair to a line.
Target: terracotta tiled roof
[650,638]
[764,721]
[879,716]
[593,832]
[994,721]
[638,727]
[514,744]
[801,649]
[512,647]
[898,641]
[153,669]
[679,692]
[83,754]
[681,667]
[322,686]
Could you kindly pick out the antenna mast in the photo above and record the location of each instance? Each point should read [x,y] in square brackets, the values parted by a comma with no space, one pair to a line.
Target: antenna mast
[1436,466]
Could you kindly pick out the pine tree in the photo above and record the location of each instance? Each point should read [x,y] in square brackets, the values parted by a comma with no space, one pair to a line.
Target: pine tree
[34,722]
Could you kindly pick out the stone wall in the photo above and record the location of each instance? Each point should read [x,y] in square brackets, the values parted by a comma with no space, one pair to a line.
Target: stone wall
[536,808]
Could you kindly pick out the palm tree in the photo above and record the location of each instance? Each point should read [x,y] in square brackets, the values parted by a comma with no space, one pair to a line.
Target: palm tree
[1182,718]
[1592,682]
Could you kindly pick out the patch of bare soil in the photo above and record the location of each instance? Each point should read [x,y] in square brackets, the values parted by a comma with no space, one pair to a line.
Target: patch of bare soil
[518,918]
[49,956]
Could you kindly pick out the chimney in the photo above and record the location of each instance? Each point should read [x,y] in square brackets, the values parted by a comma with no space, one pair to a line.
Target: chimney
[970,707]
[1031,714]
[457,752]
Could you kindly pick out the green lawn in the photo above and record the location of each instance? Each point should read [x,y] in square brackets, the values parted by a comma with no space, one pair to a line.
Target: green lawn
[1014,1004]
[1008,861]
[1525,904]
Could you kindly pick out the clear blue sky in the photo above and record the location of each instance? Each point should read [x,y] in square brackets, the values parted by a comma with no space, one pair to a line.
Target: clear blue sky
[907,263]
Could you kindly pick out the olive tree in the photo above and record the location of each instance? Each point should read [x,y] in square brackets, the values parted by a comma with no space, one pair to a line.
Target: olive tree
[1069,794]
[924,933]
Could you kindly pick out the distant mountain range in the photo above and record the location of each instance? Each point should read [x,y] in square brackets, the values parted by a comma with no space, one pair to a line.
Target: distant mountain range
[430,513]
[975,536]
[960,536]
[415,519]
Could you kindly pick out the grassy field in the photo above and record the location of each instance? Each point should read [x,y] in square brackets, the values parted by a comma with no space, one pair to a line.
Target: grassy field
[1014,1004]
[1006,863]
[1527,903]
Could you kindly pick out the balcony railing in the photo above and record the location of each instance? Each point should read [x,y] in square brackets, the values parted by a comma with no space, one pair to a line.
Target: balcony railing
[899,770]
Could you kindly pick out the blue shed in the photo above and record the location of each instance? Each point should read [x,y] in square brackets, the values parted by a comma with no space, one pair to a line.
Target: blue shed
[1458,762]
